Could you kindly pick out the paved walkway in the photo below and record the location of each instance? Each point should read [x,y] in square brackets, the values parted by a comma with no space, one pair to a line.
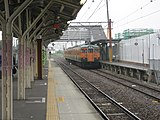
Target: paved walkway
[53,98]
[71,103]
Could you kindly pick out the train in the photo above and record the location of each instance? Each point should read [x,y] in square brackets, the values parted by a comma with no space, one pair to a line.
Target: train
[85,56]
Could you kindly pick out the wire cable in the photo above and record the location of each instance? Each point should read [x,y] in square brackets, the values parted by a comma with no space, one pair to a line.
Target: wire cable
[94,10]
[86,11]
[139,18]
[134,11]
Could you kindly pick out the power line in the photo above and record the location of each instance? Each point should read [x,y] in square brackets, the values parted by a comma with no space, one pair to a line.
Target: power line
[86,11]
[90,16]
[139,18]
[134,11]
[94,10]
[100,8]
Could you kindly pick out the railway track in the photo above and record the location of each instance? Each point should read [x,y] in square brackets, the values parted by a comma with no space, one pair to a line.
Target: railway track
[147,90]
[109,108]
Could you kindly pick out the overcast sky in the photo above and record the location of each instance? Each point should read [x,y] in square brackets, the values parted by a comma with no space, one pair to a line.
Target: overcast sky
[125,14]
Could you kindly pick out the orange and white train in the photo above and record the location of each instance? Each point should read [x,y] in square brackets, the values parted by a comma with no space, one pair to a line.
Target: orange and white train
[85,56]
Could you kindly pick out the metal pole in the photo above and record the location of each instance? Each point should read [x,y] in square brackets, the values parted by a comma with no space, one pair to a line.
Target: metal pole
[8,109]
[107,10]
[3,85]
[149,58]
[37,19]
[143,51]
[32,61]
[110,41]
[27,55]
[21,83]
[7,113]
[4,72]
[39,57]
[109,33]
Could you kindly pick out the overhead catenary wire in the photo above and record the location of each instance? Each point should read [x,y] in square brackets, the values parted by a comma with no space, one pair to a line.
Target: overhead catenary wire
[83,16]
[94,10]
[139,18]
[134,12]
[91,14]
[86,11]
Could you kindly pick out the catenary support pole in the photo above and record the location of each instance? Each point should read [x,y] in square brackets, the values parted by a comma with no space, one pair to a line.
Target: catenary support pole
[109,33]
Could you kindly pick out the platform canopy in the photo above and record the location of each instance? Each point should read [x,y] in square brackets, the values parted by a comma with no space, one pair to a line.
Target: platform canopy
[50,24]
[83,33]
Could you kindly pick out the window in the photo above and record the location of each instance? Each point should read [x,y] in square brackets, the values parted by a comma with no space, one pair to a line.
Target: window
[83,50]
[90,50]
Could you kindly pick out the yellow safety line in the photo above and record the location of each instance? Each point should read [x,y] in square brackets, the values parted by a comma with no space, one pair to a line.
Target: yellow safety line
[52,110]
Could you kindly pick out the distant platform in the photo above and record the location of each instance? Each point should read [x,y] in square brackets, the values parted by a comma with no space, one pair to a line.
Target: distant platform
[128,65]
[138,71]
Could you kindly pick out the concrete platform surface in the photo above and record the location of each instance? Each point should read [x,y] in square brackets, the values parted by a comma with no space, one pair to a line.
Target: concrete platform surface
[128,65]
[53,98]
[71,103]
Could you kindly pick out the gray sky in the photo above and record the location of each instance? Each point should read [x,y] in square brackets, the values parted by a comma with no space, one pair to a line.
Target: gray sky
[125,14]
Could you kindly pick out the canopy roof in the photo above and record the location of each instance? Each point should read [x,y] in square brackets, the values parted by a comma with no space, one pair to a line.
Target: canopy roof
[53,21]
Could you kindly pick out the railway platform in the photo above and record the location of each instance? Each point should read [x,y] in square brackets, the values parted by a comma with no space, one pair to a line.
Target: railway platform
[69,103]
[53,98]
[138,71]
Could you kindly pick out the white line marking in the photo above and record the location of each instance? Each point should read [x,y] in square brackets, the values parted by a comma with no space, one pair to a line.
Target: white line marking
[43,100]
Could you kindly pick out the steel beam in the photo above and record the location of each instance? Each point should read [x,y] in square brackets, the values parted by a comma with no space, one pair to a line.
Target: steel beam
[33,25]
[37,19]
[7,109]
[38,34]
[21,83]
[39,57]
[66,3]
[16,30]
[27,55]
[37,65]
[35,31]
[2,20]
[4,71]
[32,61]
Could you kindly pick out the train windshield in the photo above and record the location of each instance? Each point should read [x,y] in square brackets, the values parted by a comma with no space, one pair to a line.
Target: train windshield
[83,50]
[90,50]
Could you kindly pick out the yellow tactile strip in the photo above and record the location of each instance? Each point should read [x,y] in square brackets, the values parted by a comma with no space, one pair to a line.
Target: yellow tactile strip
[52,110]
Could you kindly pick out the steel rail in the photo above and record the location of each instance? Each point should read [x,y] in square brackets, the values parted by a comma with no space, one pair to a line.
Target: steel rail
[91,101]
[134,82]
[150,95]
[129,113]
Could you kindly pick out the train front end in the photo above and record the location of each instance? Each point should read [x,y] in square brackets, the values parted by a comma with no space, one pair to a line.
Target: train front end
[90,56]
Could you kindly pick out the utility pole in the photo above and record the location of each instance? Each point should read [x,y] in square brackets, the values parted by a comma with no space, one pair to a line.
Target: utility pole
[109,33]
